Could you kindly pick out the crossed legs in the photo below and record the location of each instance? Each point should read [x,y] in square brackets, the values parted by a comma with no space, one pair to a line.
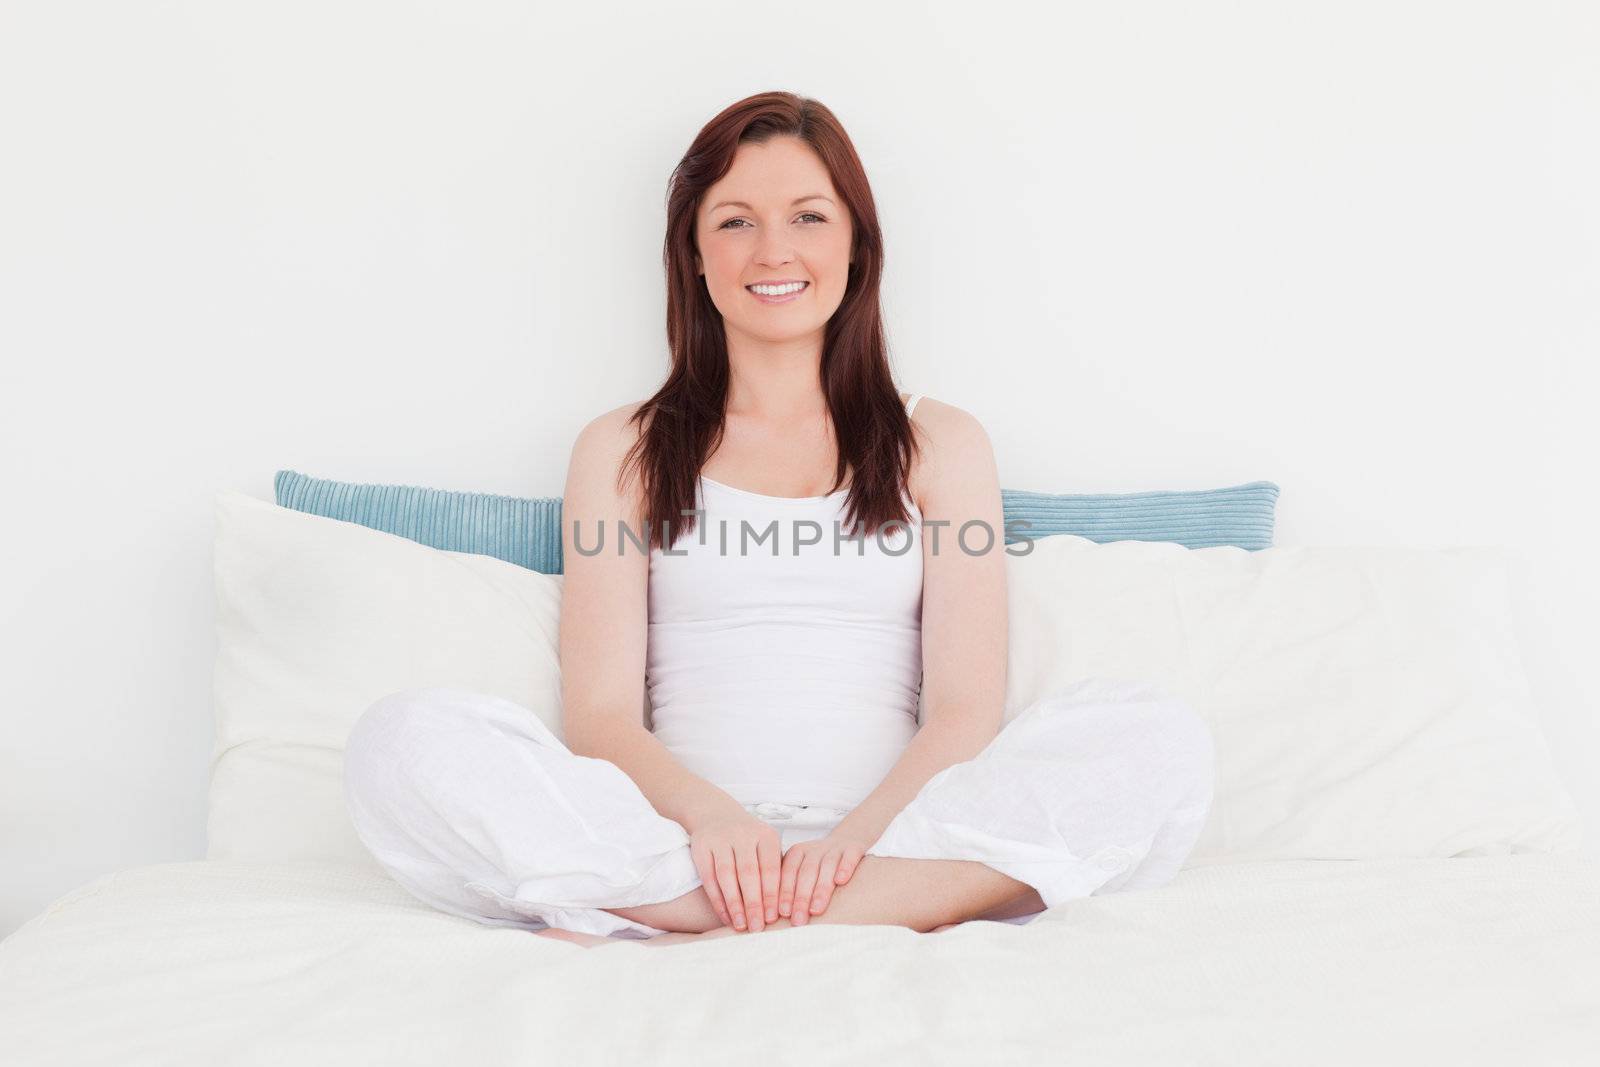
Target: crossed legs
[473,805]
[922,894]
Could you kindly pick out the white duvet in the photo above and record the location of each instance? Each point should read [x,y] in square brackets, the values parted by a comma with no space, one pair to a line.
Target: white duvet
[1488,960]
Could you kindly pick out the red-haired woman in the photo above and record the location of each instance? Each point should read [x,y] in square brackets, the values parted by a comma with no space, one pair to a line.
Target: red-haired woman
[803,569]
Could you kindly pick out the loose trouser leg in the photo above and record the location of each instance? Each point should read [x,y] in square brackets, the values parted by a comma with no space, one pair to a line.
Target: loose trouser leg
[1101,787]
[472,804]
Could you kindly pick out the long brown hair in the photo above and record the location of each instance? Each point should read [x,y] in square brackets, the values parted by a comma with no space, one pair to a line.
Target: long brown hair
[683,422]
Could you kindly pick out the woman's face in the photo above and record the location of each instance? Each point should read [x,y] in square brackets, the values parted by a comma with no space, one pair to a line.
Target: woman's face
[774,217]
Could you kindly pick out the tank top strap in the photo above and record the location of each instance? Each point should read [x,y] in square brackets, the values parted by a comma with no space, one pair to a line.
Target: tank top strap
[911,405]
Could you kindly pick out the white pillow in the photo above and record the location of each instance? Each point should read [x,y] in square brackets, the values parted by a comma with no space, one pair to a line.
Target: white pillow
[1365,701]
[316,619]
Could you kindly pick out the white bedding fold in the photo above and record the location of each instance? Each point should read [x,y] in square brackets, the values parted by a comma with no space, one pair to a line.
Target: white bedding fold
[1482,960]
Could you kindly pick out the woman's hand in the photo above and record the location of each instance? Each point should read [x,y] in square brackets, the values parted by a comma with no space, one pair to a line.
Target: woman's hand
[813,869]
[738,857]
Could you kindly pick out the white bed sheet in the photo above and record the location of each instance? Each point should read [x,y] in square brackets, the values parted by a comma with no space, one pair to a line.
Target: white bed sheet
[1484,960]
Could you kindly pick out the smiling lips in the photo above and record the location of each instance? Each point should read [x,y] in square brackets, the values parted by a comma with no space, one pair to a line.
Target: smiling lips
[781,293]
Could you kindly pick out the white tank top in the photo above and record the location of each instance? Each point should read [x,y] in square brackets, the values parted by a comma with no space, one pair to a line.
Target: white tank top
[793,677]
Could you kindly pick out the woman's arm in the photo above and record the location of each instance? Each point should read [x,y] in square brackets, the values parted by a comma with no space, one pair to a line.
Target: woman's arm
[604,628]
[964,612]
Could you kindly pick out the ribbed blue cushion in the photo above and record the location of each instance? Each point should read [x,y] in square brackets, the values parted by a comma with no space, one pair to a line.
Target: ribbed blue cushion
[517,529]
[1196,518]
[527,531]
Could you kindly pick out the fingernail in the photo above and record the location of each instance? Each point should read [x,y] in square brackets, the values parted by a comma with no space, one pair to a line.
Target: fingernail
[738,921]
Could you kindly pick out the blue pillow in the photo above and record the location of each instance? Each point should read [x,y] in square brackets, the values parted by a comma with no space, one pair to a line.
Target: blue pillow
[517,529]
[1239,515]
[527,530]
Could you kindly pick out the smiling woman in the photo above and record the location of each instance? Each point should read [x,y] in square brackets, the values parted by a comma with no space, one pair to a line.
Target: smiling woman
[773,290]
[775,230]
[821,721]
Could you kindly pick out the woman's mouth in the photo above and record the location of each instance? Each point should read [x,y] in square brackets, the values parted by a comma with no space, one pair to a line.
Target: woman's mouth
[777,294]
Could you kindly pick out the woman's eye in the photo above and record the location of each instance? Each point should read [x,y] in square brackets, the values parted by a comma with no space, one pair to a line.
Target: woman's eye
[804,214]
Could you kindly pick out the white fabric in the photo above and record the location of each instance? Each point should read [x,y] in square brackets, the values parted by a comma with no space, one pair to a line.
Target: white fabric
[1483,961]
[1365,701]
[784,660]
[316,619]
[474,805]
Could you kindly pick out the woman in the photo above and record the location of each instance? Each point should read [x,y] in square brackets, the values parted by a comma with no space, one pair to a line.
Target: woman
[787,555]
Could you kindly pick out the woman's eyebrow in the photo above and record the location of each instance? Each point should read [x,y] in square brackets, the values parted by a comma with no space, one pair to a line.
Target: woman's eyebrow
[741,203]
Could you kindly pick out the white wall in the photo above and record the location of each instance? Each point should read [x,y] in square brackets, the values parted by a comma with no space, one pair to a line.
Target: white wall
[1347,247]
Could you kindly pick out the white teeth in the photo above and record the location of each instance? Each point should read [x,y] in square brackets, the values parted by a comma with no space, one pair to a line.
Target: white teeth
[776,290]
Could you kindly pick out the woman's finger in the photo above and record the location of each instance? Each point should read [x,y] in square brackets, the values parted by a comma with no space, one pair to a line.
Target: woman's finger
[804,882]
[728,879]
[824,891]
[708,881]
[847,864]
[791,867]
[770,849]
[749,869]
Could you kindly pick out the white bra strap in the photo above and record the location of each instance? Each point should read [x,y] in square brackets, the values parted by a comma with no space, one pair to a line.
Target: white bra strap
[911,405]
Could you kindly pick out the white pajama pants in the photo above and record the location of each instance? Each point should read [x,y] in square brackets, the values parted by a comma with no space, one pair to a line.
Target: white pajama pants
[473,805]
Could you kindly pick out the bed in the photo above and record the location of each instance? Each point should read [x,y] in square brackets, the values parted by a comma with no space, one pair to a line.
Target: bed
[1488,960]
[1392,871]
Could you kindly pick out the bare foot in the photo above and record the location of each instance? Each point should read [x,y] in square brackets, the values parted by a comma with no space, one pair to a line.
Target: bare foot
[671,937]
[946,926]
[555,933]
[677,938]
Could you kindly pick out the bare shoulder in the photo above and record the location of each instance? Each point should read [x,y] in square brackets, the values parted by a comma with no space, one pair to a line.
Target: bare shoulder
[956,461]
[612,428]
[947,422]
[598,455]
